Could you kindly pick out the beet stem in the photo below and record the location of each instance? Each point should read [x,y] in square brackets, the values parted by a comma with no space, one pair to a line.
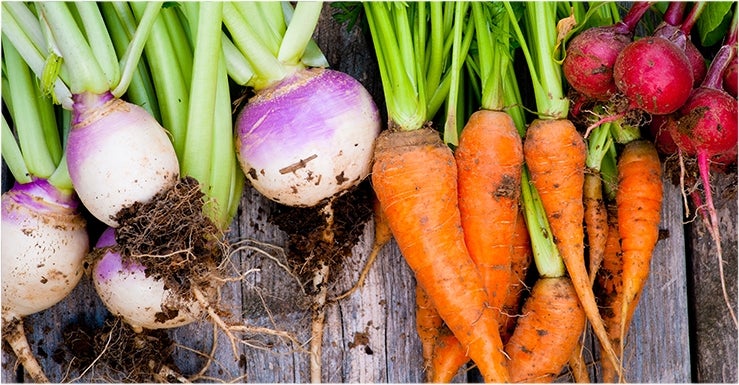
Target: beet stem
[703,170]
[692,17]
[632,17]
[715,73]
[674,13]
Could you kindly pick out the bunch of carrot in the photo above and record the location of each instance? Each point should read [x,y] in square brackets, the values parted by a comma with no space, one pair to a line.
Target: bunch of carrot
[468,220]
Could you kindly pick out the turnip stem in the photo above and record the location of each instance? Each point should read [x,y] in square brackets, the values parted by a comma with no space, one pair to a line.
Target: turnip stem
[87,75]
[98,38]
[299,32]
[265,65]
[13,156]
[27,118]
[171,91]
[141,89]
[132,55]
[198,141]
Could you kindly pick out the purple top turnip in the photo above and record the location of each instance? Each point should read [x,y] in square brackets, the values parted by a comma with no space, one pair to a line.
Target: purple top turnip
[129,292]
[44,243]
[308,137]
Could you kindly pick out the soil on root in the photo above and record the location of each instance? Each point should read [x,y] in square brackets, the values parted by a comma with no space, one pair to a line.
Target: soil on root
[308,248]
[173,225]
[115,353]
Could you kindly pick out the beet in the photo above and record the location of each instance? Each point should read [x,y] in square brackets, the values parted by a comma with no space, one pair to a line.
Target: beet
[654,75]
[588,65]
[708,119]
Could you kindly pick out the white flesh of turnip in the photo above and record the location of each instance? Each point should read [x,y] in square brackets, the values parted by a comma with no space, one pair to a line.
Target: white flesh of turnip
[117,155]
[142,302]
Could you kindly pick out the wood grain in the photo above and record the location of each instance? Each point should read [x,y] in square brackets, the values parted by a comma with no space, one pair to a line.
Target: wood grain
[680,333]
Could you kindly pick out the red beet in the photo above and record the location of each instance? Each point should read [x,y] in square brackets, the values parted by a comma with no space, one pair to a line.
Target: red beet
[677,30]
[588,65]
[654,75]
[660,132]
[708,119]
[707,129]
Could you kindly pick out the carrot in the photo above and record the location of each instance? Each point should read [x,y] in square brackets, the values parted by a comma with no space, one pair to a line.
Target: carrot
[415,178]
[428,327]
[489,159]
[639,202]
[544,339]
[609,289]
[449,355]
[596,220]
[555,154]
[578,366]
[443,355]
[520,262]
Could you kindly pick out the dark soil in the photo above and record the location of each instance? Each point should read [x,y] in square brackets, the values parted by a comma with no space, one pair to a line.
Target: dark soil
[174,225]
[114,351]
[308,248]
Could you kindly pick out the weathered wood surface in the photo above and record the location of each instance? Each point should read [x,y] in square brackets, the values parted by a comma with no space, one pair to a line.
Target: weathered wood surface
[681,331]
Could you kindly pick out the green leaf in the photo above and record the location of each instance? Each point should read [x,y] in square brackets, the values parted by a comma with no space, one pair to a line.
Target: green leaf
[714,22]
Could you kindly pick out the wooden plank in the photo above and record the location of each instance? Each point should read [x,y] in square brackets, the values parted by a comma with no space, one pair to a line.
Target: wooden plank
[370,336]
[715,334]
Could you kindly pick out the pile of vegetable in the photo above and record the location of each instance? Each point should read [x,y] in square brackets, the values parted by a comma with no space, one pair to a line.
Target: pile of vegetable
[520,170]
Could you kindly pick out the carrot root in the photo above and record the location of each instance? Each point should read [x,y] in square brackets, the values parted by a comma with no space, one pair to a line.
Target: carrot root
[415,178]
[548,332]
[555,153]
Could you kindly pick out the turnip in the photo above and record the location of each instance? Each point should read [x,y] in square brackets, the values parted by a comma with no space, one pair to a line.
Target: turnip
[142,300]
[308,133]
[588,66]
[117,153]
[44,236]
[707,129]
[160,267]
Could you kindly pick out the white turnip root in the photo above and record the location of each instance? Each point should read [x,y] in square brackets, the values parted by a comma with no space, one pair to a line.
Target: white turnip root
[44,243]
[117,154]
[307,138]
[141,300]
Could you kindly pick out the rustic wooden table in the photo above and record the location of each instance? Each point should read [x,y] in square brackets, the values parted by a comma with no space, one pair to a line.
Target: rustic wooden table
[681,330]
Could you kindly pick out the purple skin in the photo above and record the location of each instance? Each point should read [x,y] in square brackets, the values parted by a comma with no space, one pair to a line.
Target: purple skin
[271,115]
[111,264]
[40,196]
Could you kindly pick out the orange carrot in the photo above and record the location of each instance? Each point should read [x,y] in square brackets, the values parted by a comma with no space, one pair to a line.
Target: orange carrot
[415,178]
[547,333]
[639,201]
[578,366]
[489,159]
[449,355]
[443,355]
[609,289]
[428,327]
[596,222]
[520,263]
[555,154]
